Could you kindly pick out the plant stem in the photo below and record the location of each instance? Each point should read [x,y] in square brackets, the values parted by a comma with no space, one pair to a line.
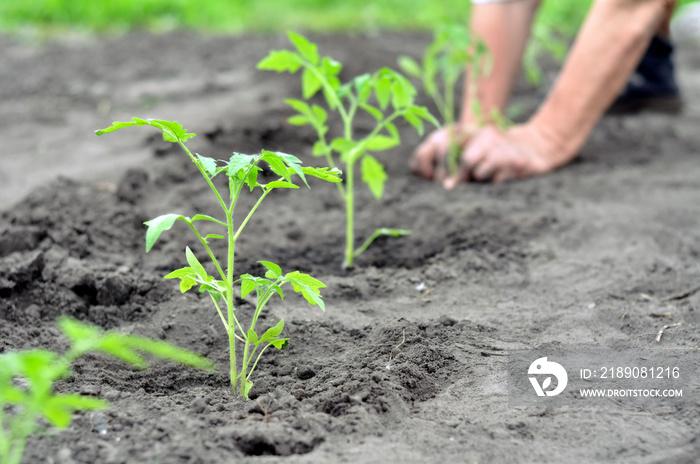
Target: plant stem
[211,253]
[257,359]
[229,296]
[349,214]
[250,214]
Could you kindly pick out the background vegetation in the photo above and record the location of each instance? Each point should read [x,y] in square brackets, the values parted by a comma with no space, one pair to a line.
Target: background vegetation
[244,16]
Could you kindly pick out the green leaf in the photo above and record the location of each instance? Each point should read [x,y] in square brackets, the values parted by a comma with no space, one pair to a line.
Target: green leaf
[306,48]
[273,332]
[342,145]
[239,162]
[250,283]
[281,184]
[375,112]
[280,343]
[59,408]
[414,121]
[310,83]
[307,286]
[273,270]
[209,164]
[299,105]
[159,225]
[172,130]
[410,66]
[321,148]
[167,351]
[195,264]
[298,120]
[363,86]
[392,232]
[329,175]
[187,277]
[214,236]
[381,142]
[373,175]
[383,92]
[277,164]
[331,68]
[204,217]
[252,337]
[281,61]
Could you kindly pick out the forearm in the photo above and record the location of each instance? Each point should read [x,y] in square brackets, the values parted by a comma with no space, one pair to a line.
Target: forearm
[505,28]
[607,49]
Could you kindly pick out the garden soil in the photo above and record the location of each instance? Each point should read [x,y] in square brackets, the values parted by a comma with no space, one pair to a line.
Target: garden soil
[408,363]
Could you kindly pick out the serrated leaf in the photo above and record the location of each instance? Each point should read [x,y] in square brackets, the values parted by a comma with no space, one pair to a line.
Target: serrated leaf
[277,164]
[329,175]
[280,343]
[172,130]
[186,283]
[310,83]
[281,61]
[159,225]
[209,164]
[373,175]
[273,332]
[238,162]
[272,268]
[306,48]
[307,286]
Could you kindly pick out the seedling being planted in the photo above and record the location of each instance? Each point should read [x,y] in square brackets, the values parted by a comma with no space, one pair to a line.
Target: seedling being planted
[241,172]
[452,51]
[27,380]
[393,99]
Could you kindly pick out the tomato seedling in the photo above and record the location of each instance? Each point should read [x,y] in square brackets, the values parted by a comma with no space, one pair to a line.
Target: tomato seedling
[393,99]
[27,380]
[452,51]
[241,171]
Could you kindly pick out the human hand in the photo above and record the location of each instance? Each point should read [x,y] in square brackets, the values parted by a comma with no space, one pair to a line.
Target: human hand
[429,159]
[496,156]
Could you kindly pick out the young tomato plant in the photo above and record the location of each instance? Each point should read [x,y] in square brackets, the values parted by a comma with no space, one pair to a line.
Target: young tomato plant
[393,99]
[452,51]
[27,380]
[241,172]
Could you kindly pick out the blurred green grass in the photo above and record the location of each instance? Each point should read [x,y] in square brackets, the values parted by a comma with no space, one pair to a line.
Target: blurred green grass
[262,16]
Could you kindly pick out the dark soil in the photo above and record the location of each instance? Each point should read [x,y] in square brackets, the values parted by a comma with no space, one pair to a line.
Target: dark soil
[408,364]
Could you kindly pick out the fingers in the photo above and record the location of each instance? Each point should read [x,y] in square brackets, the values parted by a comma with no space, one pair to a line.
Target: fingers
[427,160]
[476,164]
